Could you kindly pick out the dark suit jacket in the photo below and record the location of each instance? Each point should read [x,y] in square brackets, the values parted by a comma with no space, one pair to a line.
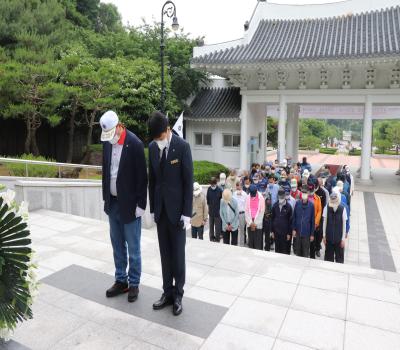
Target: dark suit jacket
[175,185]
[131,179]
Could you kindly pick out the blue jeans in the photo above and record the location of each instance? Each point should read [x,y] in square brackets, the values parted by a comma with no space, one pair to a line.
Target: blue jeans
[125,240]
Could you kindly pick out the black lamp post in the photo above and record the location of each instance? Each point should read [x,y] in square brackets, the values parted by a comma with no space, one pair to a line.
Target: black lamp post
[169,10]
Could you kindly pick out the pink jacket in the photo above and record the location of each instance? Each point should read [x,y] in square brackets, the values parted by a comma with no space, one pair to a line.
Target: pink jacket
[260,212]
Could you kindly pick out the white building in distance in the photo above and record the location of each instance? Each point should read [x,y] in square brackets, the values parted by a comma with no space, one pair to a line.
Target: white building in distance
[335,60]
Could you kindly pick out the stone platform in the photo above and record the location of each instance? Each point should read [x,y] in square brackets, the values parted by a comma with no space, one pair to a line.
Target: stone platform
[235,298]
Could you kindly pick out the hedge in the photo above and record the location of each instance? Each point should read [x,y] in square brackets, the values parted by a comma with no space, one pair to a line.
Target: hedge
[19,169]
[204,171]
[355,152]
[328,150]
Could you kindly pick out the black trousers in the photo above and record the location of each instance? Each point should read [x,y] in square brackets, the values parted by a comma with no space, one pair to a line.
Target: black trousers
[255,238]
[281,245]
[230,237]
[172,241]
[267,234]
[215,228]
[303,246]
[334,252]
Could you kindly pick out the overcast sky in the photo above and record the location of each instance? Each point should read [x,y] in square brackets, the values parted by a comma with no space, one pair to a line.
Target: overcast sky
[217,20]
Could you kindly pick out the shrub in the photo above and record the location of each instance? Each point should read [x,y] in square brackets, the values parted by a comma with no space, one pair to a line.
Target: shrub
[34,170]
[204,171]
[328,150]
[355,152]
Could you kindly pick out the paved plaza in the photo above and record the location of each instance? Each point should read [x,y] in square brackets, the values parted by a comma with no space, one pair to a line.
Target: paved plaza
[235,298]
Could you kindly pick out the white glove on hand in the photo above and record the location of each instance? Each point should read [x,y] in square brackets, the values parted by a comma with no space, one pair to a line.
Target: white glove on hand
[139,212]
[186,221]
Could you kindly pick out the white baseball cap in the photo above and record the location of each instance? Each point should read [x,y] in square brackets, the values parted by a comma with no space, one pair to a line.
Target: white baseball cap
[108,123]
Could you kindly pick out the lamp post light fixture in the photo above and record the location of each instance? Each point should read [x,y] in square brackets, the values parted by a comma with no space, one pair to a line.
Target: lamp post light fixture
[169,10]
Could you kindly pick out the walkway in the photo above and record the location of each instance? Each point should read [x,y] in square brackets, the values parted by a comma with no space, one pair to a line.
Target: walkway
[236,298]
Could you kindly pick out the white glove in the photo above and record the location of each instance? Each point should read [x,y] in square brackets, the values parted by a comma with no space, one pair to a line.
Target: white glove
[186,221]
[152,216]
[139,212]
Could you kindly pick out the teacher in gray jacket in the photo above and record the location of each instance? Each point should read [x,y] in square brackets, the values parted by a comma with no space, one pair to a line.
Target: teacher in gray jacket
[229,212]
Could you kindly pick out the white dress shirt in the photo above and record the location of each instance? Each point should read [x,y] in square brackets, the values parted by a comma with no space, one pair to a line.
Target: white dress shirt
[116,152]
[167,147]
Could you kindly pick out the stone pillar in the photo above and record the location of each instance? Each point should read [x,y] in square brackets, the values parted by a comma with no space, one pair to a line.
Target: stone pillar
[290,131]
[366,141]
[282,128]
[295,155]
[244,139]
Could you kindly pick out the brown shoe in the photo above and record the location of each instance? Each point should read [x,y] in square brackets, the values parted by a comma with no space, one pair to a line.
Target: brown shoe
[117,289]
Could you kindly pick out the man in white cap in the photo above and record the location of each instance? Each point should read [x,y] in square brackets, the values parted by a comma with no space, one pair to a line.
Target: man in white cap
[125,196]
[334,229]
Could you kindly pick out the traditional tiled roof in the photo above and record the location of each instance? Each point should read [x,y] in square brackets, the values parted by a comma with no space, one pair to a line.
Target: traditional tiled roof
[372,34]
[216,103]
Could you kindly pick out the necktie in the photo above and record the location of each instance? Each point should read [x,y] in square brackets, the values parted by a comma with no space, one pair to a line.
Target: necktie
[163,160]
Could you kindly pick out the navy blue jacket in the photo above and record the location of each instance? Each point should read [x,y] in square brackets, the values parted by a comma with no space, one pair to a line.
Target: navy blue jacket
[131,179]
[174,187]
[282,219]
[304,219]
[214,201]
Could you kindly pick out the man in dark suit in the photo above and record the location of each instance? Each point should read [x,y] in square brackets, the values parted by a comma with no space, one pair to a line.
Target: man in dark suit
[170,194]
[125,197]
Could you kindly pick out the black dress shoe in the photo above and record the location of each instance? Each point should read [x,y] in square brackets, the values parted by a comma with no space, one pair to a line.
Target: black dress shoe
[177,308]
[163,302]
[133,294]
[117,289]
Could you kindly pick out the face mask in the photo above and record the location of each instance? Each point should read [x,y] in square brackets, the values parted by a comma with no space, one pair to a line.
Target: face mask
[239,192]
[283,178]
[162,144]
[281,201]
[304,197]
[247,186]
[115,139]
[256,181]
[294,188]
[213,187]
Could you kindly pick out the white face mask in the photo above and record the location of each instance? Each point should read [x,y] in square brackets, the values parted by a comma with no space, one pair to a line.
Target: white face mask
[162,144]
[114,140]
[304,197]
[281,201]
[213,187]
[247,186]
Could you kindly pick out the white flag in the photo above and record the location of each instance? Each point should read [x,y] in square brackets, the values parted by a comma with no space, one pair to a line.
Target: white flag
[178,127]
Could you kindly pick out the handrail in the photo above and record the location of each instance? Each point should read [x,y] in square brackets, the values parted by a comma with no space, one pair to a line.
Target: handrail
[39,162]
[57,164]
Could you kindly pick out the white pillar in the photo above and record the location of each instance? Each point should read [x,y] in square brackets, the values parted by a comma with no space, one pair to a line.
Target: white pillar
[244,135]
[281,128]
[295,155]
[290,131]
[263,123]
[366,141]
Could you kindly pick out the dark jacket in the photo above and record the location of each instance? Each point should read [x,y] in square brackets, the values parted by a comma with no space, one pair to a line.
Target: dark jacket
[334,224]
[131,179]
[172,187]
[282,219]
[213,201]
[303,219]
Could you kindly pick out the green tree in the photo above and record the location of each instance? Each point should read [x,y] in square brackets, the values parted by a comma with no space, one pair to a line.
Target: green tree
[272,132]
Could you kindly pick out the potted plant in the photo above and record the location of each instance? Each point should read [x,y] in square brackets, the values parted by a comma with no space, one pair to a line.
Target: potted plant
[18,284]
